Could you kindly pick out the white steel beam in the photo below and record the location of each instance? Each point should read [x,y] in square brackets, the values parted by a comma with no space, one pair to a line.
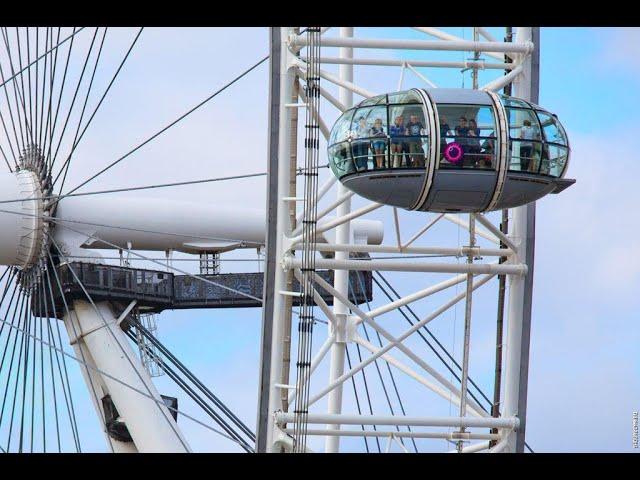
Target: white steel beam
[453,251]
[451,393]
[398,343]
[453,45]
[486,34]
[402,421]
[399,339]
[333,100]
[479,231]
[344,216]
[346,84]
[422,77]
[332,206]
[341,279]
[389,62]
[326,186]
[501,82]
[402,434]
[402,266]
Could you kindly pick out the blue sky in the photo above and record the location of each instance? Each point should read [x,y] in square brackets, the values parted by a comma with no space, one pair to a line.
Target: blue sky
[584,367]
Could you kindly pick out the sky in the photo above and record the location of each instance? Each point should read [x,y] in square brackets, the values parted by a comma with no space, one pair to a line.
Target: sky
[584,368]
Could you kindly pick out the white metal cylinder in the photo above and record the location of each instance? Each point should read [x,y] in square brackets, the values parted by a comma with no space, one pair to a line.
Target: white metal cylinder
[21,222]
[158,224]
[148,420]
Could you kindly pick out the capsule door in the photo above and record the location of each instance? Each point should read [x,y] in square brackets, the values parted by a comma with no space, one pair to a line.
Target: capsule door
[467,166]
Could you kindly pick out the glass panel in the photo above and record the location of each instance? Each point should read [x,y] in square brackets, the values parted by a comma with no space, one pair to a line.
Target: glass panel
[523,124]
[408,96]
[340,130]
[467,136]
[362,153]
[524,156]
[514,102]
[408,133]
[371,123]
[340,159]
[554,159]
[553,132]
[525,147]
[377,100]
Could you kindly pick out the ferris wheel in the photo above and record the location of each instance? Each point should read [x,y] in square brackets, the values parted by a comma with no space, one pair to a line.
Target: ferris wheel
[345,248]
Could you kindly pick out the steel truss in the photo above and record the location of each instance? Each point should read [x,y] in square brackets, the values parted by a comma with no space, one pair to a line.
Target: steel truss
[513,254]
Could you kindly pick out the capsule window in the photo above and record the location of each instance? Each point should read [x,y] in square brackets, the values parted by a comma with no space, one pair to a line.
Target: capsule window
[340,131]
[467,136]
[408,96]
[554,160]
[553,131]
[514,102]
[370,140]
[408,136]
[525,140]
[377,100]
[340,159]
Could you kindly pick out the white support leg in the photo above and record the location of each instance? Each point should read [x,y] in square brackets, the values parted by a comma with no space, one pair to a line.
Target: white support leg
[520,287]
[97,390]
[149,422]
[283,228]
[341,278]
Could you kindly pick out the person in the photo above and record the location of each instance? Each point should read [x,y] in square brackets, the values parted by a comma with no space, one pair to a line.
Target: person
[414,130]
[444,129]
[486,159]
[377,131]
[361,147]
[473,142]
[462,133]
[444,132]
[397,145]
[462,130]
[526,145]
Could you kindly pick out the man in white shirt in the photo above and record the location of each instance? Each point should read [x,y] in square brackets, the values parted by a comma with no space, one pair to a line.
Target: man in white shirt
[526,147]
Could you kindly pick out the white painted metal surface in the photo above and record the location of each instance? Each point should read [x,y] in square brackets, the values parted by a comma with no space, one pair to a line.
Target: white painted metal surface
[148,420]
[20,232]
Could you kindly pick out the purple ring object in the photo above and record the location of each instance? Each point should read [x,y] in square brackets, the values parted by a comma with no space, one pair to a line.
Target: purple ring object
[453,152]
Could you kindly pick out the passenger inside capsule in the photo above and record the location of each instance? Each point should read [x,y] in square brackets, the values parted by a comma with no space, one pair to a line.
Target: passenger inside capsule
[471,142]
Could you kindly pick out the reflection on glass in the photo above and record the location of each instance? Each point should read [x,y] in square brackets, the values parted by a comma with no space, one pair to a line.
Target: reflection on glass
[552,129]
[524,156]
[340,130]
[408,96]
[377,100]
[514,102]
[340,159]
[556,158]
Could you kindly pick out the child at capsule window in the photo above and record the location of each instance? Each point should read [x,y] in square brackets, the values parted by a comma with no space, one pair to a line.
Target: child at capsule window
[397,130]
[526,133]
